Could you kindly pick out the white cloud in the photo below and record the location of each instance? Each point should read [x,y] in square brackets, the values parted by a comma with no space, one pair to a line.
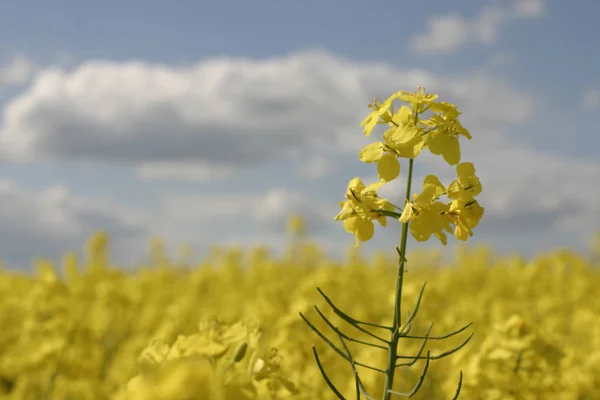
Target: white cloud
[51,221]
[485,29]
[48,223]
[197,171]
[501,59]
[529,8]
[232,112]
[221,116]
[207,120]
[591,99]
[273,210]
[182,209]
[262,213]
[241,219]
[17,72]
[535,200]
[448,33]
[316,167]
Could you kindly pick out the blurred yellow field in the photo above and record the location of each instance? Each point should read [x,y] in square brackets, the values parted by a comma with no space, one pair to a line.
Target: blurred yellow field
[90,330]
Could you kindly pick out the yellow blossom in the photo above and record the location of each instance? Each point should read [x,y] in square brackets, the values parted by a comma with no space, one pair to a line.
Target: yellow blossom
[403,139]
[418,100]
[465,217]
[379,110]
[388,167]
[357,211]
[426,215]
[467,185]
[442,137]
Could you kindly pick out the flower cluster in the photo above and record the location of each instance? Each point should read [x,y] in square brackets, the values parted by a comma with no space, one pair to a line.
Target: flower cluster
[408,134]
[514,358]
[77,329]
[221,361]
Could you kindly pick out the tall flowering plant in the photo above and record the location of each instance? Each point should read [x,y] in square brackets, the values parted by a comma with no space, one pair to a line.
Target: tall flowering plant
[409,133]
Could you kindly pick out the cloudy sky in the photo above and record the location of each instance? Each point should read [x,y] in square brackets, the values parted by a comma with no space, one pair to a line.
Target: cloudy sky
[210,122]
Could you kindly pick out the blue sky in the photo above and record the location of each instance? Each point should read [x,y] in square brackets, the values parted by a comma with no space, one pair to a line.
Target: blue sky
[210,122]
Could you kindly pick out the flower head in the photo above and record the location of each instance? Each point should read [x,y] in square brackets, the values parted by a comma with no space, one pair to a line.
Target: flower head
[418,100]
[465,217]
[442,137]
[359,209]
[426,215]
[467,185]
[380,110]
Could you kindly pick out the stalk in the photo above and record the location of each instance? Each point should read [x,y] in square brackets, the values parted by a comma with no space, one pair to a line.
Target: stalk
[393,347]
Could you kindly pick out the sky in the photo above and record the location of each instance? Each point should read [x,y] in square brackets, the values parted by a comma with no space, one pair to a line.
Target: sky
[210,123]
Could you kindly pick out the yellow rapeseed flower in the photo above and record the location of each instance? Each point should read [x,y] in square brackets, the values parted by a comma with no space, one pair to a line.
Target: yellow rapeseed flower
[465,217]
[388,167]
[379,110]
[357,211]
[418,100]
[426,215]
[403,139]
[467,185]
[442,137]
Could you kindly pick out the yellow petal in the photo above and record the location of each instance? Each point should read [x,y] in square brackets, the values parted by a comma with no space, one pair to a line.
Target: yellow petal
[419,230]
[442,237]
[355,185]
[452,152]
[402,134]
[461,129]
[407,213]
[410,149]
[426,197]
[363,230]
[371,153]
[442,107]
[369,123]
[372,188]
[403,115]
[461,232]
[444,144]
[346,211]
[388,167]
[434,181]
[465,170]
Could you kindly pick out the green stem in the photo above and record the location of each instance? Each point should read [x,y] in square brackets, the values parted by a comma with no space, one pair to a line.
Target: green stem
[392,353]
